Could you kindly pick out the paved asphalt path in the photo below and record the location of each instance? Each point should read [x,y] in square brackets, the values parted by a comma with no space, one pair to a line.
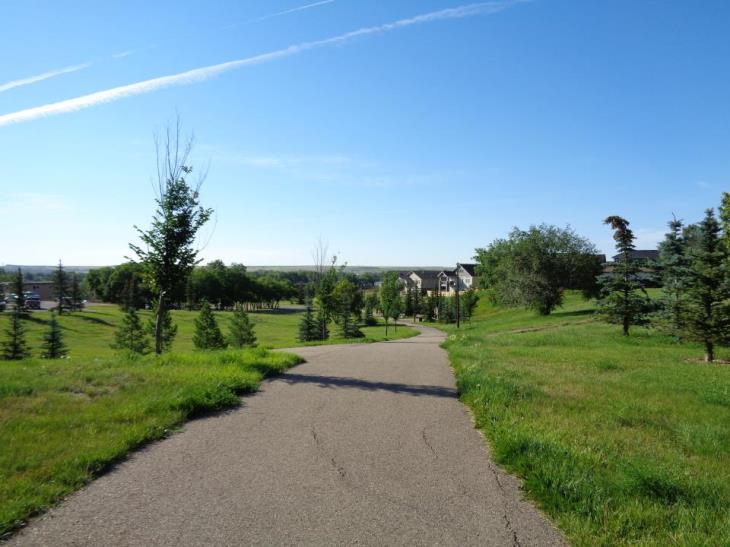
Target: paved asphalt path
[363,444]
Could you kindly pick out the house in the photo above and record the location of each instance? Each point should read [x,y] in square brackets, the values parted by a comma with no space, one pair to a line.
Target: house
[464,274]
[647,255]
[44,289]
[422,280]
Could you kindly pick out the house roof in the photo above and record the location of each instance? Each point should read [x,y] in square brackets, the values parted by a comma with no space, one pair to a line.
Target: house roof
[426,274]
[644,254]
[471,269]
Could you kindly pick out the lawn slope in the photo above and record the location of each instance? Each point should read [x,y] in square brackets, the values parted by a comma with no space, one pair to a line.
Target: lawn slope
[620,440]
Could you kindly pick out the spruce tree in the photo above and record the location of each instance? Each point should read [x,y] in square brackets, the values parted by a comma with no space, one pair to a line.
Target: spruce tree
[169,329]
[207,334]
[19,286]
[673,262]
[60,287]
[2,297]
[707,309]
[323,332]
[624,298]
[130,335]
[53,345]
[241,329]
[76,296]
[14,347]
[308,326]
[369,317]
[348,322]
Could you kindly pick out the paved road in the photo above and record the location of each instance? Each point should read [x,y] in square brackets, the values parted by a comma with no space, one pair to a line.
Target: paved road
[363,444]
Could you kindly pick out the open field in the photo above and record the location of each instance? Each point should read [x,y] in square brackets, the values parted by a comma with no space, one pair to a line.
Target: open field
[620,440]
[89,334]
[62,422]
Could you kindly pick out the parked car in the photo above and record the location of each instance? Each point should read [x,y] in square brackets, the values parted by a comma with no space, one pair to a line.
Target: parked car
[3,304]
[32,301]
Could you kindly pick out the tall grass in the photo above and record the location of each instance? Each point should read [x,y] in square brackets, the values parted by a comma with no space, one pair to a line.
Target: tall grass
[620,440]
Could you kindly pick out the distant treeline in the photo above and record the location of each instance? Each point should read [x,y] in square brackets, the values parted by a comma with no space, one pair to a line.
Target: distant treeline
[220,284]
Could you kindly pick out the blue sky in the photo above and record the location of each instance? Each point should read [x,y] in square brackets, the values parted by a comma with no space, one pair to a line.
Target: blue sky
[408,144]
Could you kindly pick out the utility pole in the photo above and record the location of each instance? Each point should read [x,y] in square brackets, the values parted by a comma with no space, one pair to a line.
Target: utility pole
[458,300]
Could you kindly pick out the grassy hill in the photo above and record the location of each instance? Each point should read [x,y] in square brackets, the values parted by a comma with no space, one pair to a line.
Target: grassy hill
[620,440]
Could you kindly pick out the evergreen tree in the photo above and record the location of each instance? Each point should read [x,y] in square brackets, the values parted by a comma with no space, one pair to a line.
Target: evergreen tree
[428,305]
[323,332]
[416,303]
[76,295]
[2,296]
[53,346]
[369,317]
[19,287]
[308,326]
[14,346]
[725,222]
[623,296]
[60,288]
[130,335]
[168,331]
[241,329]
[673,262]
[707,309]
[348,321]
[448,311]
[207,334]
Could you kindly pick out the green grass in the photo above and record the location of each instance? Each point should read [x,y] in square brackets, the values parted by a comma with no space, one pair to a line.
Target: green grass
[620,440]
[63,422]
[90,333]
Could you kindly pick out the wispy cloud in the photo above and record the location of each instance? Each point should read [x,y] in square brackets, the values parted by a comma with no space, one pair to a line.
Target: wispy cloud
[205,73]
[43,76]
[292,10]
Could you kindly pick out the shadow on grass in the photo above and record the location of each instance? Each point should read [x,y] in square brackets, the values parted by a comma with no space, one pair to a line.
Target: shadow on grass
[330,382]
[576,313]
[95,320]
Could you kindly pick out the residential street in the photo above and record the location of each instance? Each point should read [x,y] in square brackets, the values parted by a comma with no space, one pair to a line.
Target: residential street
[363,444]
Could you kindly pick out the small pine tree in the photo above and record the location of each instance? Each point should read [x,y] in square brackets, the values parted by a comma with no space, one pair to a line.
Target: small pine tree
[15,347]
[130,335]
[348,322]
[76,296]
[323,331]
[169,329]
[207,334]
[623,296]
[447,313]
[673,262]
[2,297]
[60,288]
[707,309]
[53,345]
[308,326]
[241,330]
[369,317]
[19,286]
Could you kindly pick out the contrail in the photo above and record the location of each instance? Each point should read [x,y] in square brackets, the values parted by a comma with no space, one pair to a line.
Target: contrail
[293,10]
[205,73]
[43,76]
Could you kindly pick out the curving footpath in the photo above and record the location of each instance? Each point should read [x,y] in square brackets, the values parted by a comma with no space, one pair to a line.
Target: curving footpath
[363,444]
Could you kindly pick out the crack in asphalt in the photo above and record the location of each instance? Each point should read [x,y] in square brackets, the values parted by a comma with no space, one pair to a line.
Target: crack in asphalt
[507,522]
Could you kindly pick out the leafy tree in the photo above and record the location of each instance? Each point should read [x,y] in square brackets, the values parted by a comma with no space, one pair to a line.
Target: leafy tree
[309,327]
[167,252]
[349,297]
[469,301]
[673,262]
[534,267]
[327,302]
[169,328]
[53,345]
[19,287]
[241,329]
[707,309]
[207,334]
[14,347]
[390,299]
[428,307]
[623,296]
[61,288]
[447,311]
[130,336]
[725,222]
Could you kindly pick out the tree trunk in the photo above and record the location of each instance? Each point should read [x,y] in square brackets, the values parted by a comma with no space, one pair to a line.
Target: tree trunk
[386,325]
[158,323]
[709,352]
[626,325]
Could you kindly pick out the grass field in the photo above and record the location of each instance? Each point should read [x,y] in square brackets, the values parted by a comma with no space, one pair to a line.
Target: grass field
[90,333]
[620,440]
[64,421]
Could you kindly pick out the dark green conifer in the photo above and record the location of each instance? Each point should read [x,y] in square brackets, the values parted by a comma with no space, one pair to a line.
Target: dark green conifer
[14,347]
[53,345]
[207,334]
[241,329]
[130,335]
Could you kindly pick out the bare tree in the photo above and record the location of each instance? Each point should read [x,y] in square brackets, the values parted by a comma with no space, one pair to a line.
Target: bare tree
[320,257]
